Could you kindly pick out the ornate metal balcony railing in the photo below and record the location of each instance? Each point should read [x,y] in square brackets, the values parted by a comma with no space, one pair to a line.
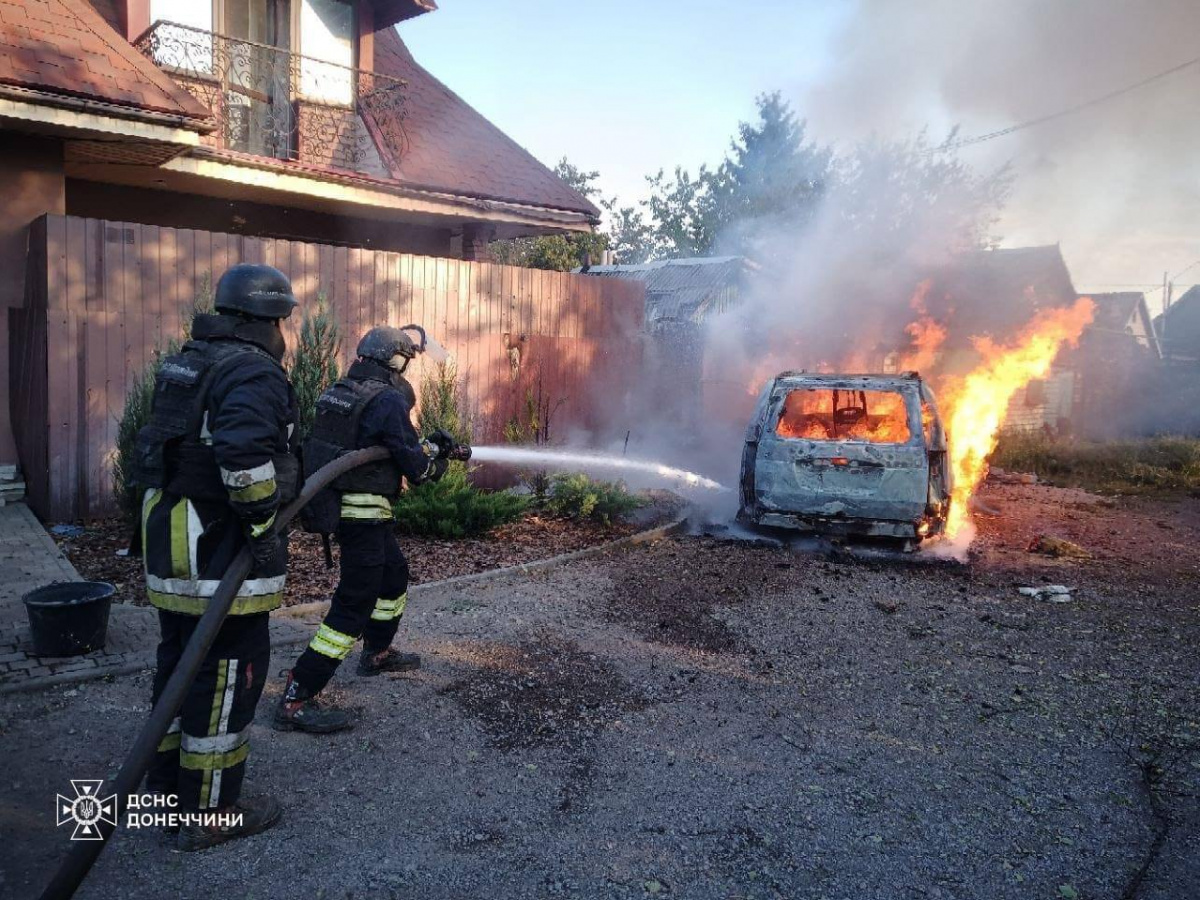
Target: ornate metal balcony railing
[271,102]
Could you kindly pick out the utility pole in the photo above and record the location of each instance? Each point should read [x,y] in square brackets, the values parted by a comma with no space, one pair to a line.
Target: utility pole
[1166,304]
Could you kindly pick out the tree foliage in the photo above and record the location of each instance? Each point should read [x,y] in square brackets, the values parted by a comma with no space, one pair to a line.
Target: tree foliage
[558,252]
[138,401]
[577,496]
[895,189]
[314,363]
[453,507]
[775,180]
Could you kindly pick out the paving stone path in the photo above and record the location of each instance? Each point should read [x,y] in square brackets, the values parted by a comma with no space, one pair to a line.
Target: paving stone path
[29,558]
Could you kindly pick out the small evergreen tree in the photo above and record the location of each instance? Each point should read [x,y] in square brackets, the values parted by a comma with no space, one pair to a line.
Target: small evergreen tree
[442,403]
[136,412]
[577,496]
[314,363]
[452,507]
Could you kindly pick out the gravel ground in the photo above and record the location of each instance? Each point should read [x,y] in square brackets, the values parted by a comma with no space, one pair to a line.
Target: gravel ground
[706,719]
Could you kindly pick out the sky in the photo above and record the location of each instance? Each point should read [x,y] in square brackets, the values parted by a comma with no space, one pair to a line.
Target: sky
[627,88]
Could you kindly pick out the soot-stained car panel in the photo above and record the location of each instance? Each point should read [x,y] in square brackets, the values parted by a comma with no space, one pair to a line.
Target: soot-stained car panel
[857,454]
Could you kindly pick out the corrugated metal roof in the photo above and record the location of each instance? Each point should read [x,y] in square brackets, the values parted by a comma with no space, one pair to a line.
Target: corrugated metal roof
[680,289]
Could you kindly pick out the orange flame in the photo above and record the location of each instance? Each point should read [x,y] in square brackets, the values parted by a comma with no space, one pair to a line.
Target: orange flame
[977,405]
[926,334]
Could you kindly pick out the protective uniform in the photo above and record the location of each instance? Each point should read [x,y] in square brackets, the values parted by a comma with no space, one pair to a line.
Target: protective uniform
[217,459]
[370,407]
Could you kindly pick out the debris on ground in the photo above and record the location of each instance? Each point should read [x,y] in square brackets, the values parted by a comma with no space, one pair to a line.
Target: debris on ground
[543,692]
[1055,593]
[1059,548]
[1001,476]
[682,611]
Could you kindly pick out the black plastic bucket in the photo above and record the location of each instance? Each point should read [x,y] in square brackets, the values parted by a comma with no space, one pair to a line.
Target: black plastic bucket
[69,617]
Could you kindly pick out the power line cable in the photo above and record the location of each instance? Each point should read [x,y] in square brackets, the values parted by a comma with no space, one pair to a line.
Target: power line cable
[1079,107]
[1186,268]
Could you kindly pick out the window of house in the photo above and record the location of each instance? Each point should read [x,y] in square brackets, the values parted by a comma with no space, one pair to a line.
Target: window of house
[327,42]
[259,21]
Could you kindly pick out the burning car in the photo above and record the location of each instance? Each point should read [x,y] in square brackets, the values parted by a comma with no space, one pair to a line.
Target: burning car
[846,454]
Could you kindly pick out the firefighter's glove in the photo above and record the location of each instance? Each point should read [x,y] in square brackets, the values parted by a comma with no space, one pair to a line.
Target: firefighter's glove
[439,469]
[443,441]
[266,546]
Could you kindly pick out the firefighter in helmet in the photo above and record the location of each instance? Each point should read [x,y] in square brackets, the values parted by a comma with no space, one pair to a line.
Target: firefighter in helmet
[217,459]
[371,407]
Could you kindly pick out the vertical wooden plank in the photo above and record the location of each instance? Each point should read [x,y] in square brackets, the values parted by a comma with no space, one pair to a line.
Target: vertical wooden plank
[416,307]
[448,288]
[152,289]
[381,282]
[346,286]
[394,287]
[469,297]
[179,301]
[355,288]
[252,250]
[113,288]
[133,318]
[58,350]
[441,274]
[406,289]
[366,288]
[99,482]
[268,249]
[487,345]
[274,253]
[220,255]
[75,306]
[206,275]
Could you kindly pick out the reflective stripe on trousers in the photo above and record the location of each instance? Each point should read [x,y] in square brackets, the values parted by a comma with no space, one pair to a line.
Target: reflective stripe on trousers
[386,610]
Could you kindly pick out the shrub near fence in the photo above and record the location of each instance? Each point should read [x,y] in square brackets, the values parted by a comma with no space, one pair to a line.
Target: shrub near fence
[103,295]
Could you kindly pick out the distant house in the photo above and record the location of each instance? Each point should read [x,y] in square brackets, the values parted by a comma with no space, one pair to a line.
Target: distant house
[1116,363]
[1178,329]
[684,291]
[680,295]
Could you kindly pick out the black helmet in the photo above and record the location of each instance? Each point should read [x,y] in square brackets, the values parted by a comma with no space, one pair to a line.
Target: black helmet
[384,343]
[262,292]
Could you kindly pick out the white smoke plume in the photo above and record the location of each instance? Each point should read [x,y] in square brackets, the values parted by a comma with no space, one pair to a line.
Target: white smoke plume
[1117,183]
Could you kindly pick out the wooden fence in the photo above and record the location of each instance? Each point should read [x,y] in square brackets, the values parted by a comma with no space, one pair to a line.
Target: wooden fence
[103,296]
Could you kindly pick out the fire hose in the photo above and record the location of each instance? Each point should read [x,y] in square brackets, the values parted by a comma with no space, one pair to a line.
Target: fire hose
[83,854]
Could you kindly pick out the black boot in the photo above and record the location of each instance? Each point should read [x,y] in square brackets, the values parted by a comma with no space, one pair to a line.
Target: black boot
[257,814]
[376,662]
[298,710]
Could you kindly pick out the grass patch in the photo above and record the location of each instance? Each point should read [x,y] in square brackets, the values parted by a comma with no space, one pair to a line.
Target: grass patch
[1162,465]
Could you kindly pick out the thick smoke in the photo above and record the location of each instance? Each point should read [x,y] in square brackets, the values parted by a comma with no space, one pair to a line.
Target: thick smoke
[1117,184]
[834,291]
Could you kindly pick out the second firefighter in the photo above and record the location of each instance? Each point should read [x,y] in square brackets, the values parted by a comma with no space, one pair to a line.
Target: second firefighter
[371,407]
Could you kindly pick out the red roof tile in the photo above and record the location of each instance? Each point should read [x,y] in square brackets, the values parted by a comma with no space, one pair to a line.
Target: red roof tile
[66,47]
[452,148]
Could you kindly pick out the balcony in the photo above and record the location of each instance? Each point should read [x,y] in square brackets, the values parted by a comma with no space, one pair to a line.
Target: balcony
[270,102]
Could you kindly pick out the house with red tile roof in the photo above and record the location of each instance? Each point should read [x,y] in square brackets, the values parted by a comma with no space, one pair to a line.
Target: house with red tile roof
[305,120]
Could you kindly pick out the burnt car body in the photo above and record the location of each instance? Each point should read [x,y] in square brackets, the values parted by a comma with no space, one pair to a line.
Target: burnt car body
[846,454]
